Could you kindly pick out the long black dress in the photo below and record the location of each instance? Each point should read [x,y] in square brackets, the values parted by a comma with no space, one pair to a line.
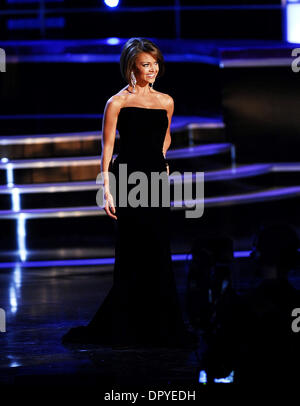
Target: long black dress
[142,307]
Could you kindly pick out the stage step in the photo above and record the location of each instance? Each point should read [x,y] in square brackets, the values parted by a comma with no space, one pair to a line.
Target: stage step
[51,145]
[71,227]
[265,195]
[30,171]
[223,182]
[185,131]
[35,124]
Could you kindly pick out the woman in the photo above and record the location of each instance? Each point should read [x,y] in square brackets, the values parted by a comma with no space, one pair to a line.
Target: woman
[142,307]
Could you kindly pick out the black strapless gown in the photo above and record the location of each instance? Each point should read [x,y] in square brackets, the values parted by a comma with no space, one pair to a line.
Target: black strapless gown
[142,308]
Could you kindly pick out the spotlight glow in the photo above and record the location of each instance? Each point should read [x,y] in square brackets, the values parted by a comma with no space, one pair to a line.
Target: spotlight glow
[21,236]
[113,41]
[292,22]
[228,379]
[9,175]
[202,377]
[111,3]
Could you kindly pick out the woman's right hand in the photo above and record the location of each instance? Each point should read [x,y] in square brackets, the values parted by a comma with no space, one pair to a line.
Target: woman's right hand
[109,205]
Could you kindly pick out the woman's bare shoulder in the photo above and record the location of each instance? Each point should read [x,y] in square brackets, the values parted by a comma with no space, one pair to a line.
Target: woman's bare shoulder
[165,99]
[117,100]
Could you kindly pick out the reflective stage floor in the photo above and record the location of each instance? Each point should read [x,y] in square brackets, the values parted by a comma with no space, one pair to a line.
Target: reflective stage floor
[42,304]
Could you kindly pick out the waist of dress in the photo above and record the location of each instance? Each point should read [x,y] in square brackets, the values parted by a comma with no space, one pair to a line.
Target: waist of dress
[132,157]
[152,161]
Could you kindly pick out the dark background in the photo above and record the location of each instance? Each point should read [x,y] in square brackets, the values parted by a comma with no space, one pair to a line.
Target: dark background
[237,19]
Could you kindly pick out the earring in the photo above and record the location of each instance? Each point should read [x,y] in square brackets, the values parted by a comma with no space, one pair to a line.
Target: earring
[133,82]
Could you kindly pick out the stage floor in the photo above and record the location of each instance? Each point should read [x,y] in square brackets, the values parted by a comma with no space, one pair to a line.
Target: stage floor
[42,304]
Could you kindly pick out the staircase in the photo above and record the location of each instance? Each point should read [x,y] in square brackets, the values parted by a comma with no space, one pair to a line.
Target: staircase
[51,148]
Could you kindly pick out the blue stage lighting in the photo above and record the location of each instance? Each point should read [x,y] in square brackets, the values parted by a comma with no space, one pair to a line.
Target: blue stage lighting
[31,1]
[113,41]
[292,21]
[34,23]
[111,3]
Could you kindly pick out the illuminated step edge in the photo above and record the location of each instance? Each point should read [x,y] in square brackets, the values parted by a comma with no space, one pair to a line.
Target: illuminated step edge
[209,176]
[265,195]
[98,261]
[189,152]
[179,123]
[95,261]
[255,62]
[238,172]
[49,138]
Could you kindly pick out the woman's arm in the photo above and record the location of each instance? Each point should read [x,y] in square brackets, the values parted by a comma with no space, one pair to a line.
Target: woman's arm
[167,140]
[109,124]
[170,110]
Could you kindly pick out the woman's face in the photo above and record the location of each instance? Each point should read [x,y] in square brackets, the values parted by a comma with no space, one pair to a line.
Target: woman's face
[146,68]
